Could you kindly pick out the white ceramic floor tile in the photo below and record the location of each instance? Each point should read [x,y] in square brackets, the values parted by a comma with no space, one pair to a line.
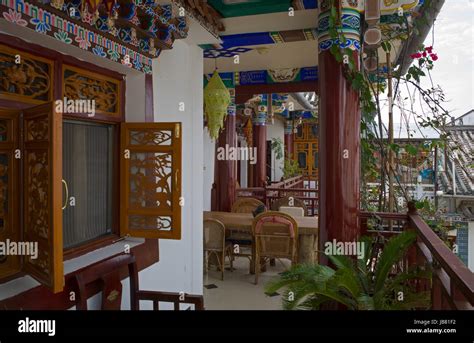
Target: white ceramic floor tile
[238,291]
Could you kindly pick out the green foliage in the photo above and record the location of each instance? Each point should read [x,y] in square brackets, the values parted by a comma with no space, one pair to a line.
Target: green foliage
[290,168]
[434,219]
[356,284]
[277,147]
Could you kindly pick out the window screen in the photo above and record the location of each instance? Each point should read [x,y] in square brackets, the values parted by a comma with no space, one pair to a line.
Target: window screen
[88,176]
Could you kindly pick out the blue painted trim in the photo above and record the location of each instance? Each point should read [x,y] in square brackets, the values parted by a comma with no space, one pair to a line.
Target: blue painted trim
[246,39]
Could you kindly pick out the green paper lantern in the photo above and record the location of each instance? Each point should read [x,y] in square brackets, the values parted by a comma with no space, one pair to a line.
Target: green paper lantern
[216,101]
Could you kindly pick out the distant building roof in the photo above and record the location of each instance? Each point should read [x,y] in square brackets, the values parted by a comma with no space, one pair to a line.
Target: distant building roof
[461,144]
[467,119]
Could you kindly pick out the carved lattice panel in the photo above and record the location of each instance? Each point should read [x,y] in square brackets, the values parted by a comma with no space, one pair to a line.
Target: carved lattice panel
[42,169]
[80,84]
[151,180]
[9,189]
[29,80]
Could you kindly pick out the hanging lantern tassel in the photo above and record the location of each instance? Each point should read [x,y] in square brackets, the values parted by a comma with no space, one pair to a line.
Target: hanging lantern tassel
[216,101]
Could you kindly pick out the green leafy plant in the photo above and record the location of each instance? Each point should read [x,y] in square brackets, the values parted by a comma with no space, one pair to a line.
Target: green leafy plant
[277,147]
[290,168]
[357,284]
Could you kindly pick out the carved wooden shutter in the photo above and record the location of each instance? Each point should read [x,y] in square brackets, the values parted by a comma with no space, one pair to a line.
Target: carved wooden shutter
[151,180]
[9,188]
[42,173]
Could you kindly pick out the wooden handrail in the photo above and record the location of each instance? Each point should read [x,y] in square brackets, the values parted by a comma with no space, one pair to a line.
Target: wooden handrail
[452,285]
[383,215]
[451,264]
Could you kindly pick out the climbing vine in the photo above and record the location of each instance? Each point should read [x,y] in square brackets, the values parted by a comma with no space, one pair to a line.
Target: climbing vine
[370,87]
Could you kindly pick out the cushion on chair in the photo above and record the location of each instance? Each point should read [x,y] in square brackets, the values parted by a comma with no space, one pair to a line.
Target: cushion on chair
[275,219]
[292,211]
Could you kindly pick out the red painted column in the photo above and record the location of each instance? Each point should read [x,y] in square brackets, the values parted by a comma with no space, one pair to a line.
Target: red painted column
[288,137]
[259,135]
[260,168]
[225,171]
[339,149]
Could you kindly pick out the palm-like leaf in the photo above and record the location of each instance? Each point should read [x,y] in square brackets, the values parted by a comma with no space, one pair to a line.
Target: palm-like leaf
[354,284]
[393,251]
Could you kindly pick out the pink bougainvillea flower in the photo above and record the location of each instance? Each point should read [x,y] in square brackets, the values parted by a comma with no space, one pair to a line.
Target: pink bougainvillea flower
[429,49]
[425,54]
[434,57]
[413,56]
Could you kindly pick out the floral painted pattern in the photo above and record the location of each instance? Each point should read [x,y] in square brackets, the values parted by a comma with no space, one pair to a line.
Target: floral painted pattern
[138,65]
[40,26]
[147,69]
[87,18]
[14,17]
[63,37]
[99,51]
[42,23]
[114,55]
[83,42]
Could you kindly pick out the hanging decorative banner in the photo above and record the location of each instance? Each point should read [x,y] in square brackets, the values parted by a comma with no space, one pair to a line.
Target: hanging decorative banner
[283,75]
[262,77]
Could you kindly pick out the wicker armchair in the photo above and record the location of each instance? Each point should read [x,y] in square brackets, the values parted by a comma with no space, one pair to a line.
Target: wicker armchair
[244,240]
[275,236]
[289,201]
[215,244]
[246,205]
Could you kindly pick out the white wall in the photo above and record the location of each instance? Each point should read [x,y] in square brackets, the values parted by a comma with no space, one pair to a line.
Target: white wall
[135,98]
[274,131]
[209,148]
[177,77]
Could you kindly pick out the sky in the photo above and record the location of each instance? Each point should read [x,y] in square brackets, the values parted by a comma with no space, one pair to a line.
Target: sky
[452,37]
[454,42]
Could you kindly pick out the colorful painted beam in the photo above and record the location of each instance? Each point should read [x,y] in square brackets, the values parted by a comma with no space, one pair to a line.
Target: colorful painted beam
[271,76]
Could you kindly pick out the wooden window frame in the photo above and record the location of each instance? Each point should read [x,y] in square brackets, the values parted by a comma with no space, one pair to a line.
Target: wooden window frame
[57,61]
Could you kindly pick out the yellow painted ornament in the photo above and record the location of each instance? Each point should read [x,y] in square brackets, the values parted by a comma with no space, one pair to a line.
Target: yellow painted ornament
[216,101]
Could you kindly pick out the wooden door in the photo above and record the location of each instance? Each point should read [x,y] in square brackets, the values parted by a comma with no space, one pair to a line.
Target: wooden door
[306,149]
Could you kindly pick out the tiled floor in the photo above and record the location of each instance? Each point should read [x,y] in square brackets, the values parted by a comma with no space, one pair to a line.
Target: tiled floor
[238,291]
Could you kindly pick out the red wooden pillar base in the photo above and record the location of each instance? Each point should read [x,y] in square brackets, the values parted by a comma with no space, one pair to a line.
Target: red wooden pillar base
[339,149]
[225,171]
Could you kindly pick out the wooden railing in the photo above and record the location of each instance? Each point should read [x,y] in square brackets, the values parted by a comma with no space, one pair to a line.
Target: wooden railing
[290,187]
[452,284]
